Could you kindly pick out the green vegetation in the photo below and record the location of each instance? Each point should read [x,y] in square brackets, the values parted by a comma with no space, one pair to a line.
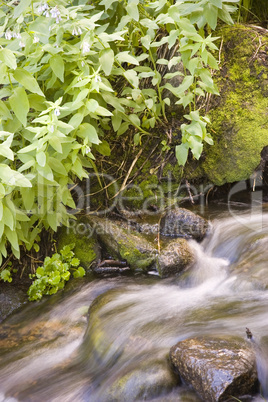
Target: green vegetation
[72,72]
[55,272]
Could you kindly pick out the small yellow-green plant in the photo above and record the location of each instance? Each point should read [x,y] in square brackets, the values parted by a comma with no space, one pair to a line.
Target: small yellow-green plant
[55,272]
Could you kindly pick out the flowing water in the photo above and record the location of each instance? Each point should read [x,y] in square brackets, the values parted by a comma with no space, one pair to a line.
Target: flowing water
[55,351]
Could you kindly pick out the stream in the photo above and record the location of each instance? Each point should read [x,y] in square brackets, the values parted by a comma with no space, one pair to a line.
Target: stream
[55,350]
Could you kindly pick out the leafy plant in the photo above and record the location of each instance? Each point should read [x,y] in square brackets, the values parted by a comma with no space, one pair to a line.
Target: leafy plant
[55,272]
[6,272]
[70,73]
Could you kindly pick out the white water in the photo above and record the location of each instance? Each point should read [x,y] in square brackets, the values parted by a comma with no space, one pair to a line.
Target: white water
[56,357]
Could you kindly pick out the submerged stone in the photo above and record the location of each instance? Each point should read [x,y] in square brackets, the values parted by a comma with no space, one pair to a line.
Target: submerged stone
[217,368]
[11,299]
[180,222]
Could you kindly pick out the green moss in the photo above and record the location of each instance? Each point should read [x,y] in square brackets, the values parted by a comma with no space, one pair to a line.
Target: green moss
[86,246]
[240,119]
[135,258]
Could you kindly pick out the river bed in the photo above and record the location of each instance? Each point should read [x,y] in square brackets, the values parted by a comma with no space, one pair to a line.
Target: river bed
[55,351]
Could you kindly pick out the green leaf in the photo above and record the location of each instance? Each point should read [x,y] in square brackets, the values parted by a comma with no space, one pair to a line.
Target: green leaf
[20,104]
[57,166]
[211,15]
[79,273]
[181,153]
[41,158]
[5,275]
[132,10]
[107,60]
[196,146]
[132,78]
[103,148]
[12,238]
[21,7]
[125,57]
[27,80]
[57,65]
[8,57]
[216,3]
[87,131]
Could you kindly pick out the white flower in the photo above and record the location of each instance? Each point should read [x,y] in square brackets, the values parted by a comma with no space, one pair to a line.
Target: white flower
[22,44]
[82,63]
[8,35]
[16,35]
[58,19]
[36,39]
[87,150]
[85,47]
[55,12]
[97,78]
[74,32]
[79,31]
[42,8]
[46,13]
[57,111]
[51,128]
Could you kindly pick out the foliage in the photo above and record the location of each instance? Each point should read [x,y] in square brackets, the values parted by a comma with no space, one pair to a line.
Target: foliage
[6,272]
[55,272]
[256,10]
[61,63]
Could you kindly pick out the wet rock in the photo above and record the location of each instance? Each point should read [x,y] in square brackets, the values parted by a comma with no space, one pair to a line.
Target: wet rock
[120,243]
[10,300]
[180,222]
[174,258]
[86,247]
[216,368]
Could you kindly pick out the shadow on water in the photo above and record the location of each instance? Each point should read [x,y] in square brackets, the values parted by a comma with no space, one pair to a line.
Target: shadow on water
[58,351]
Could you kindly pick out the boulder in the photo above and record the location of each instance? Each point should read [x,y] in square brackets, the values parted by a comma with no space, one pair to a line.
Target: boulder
[121,243]
[180,222]
[238,115]
[217,368]
[174,258]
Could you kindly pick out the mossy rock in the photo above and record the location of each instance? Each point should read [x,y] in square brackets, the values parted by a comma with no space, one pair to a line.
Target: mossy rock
[239,116]
[139,253]
[86,247]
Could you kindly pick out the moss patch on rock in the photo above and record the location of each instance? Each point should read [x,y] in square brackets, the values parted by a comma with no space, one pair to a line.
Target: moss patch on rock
[86,246]
[239,117]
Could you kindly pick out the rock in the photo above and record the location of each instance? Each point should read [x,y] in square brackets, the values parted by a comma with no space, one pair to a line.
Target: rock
[174,258]
[139,253]
[10,300]
[216,368]
[180,222]
[149,380]
[238,115]
[81,234]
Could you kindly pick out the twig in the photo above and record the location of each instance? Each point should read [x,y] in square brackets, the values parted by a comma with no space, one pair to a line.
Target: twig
[6,262]
[189,191]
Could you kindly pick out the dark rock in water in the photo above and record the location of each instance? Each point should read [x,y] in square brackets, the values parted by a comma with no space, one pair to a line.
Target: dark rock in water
[180,222]
[139,253]
[174,258]
[217,368]
[10,300]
